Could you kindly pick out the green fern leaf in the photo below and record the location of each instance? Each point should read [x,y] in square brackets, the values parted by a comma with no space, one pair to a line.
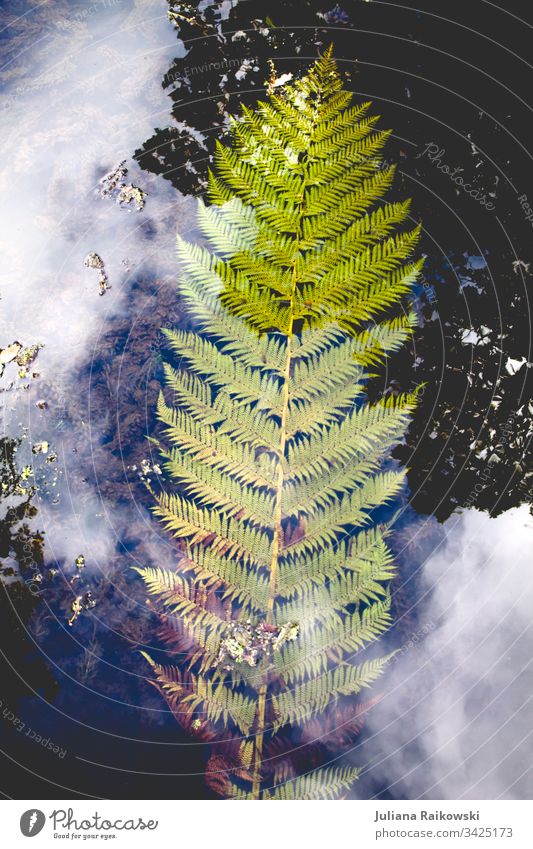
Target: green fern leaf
[274,458]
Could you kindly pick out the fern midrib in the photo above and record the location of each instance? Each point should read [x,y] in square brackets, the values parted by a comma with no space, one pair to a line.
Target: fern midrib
[276,544]
[278,512]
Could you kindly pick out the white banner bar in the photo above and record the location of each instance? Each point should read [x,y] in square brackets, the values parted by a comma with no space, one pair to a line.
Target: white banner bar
[310,825]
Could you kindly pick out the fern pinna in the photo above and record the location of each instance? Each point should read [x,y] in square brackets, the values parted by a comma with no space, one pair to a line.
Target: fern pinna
[277,461]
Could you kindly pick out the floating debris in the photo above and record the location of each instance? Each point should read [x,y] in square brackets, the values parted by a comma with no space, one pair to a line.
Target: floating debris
[287,633]
[513,366]
[23,357]
[114,185]
[28,355]
[247,643]
[76,608]
[247,65]
[9,353]
[146,469]
[279,81]
[103,285]
[335,16]
[41,404]
[113,180]
[131,194]
[80,603]
[88,601]
[93,260]
[520,264]
[40,447]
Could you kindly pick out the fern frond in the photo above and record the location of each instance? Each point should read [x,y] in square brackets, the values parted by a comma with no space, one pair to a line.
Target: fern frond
[224,534]
[175,596]
[320,784]
[305,700]
[299,574]
[275,460]
[326,637]
[196,696]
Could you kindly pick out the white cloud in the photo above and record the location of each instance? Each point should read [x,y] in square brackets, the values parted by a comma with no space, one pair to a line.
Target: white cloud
[84,92]
[455,719]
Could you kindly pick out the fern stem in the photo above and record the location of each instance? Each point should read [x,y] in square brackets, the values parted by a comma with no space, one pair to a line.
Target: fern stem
[278,529]
[276,544]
